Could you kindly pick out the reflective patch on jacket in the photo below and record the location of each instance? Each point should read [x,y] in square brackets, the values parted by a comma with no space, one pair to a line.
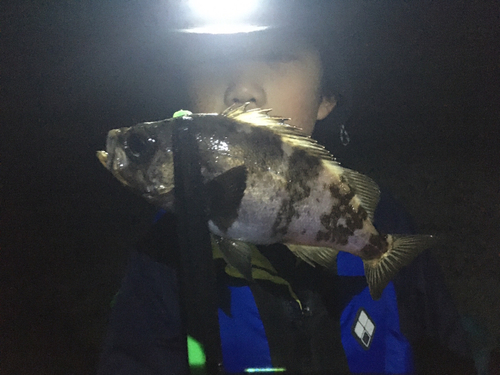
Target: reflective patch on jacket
[371,334]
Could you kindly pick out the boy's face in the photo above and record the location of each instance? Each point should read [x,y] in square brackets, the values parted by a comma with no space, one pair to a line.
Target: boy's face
[285,78]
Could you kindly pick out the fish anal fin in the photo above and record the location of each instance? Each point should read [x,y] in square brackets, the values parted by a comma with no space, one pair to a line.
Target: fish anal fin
[323,256]
[402,251]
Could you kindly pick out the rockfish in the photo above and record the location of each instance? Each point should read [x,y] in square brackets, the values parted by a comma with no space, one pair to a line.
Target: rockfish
[266,183]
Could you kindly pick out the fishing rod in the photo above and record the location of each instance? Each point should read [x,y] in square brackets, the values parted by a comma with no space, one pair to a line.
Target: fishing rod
[197,279]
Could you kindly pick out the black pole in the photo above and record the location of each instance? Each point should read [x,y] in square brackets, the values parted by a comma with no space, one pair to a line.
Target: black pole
[197,280]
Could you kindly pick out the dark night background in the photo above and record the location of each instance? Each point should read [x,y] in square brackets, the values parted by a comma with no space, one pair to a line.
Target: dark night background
[425,125]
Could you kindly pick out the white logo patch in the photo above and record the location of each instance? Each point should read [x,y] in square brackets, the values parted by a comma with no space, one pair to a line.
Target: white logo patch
[363,329]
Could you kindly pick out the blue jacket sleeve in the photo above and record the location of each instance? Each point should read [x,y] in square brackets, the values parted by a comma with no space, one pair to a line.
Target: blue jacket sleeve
[145,332]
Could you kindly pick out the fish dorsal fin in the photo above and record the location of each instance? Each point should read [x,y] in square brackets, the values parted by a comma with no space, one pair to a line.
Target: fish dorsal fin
[365,188]
[256,116]
[290,134]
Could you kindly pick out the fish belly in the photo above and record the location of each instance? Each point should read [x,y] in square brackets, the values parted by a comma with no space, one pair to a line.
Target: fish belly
[261,203]
[321,212]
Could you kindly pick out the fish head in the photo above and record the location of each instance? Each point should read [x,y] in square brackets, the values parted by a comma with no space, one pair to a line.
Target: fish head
[141,158]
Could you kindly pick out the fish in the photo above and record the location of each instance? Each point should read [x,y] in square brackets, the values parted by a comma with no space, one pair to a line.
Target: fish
[266,182]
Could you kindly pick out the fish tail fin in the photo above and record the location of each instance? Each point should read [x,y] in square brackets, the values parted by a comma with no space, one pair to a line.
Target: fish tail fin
[402,250]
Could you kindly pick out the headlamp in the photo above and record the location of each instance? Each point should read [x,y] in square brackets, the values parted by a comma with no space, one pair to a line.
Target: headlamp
[221,16]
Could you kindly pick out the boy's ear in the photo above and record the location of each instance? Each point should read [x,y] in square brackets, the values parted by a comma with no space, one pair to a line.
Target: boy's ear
[328,103]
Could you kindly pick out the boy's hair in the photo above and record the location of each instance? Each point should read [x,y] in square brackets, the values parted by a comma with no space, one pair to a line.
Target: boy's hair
[336,81]
[325,26]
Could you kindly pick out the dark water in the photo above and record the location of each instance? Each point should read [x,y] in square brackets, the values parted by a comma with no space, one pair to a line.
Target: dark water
[425,123]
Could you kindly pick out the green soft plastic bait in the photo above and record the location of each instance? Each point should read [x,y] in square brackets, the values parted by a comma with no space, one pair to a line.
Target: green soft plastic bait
[182,113]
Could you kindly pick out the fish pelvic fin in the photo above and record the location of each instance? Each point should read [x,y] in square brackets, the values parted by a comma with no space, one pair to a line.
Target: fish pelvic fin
[237,254]
[402,250]
[324,256]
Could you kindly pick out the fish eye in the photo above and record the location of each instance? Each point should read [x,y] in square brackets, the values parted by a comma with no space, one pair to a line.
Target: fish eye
[139,147]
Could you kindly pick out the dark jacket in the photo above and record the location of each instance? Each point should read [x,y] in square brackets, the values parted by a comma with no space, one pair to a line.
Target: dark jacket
[145,335]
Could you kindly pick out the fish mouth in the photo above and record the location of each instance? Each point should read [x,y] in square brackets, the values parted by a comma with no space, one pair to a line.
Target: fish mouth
[103,158]
[111,142]
[114,167]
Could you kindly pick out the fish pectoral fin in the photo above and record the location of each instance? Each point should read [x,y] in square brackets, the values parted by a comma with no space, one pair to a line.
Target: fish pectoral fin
[237,254]
[225,193]
[324,256]
[403,249]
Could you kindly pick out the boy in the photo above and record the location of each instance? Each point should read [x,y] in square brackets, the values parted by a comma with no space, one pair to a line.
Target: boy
[336,328]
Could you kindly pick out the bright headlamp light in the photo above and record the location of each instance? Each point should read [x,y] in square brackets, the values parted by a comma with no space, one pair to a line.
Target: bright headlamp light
[222,17]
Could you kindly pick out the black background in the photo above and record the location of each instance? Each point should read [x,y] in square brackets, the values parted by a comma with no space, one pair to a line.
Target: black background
[425,125]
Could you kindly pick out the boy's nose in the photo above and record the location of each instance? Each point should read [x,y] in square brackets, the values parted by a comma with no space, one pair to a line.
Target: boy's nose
[245,92]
